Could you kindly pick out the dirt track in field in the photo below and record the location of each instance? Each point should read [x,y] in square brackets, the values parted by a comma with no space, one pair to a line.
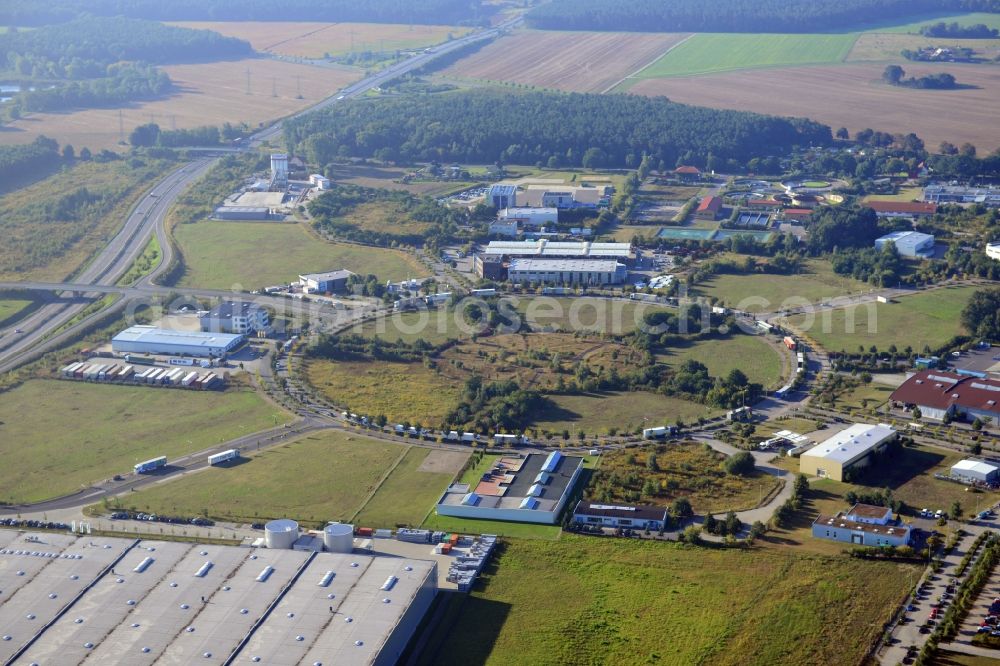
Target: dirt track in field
[572,61]
[854,97]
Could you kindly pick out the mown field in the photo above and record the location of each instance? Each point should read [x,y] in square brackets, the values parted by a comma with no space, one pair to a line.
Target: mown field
[12,309]
[768,293]
[748,353]
[853,95]
[882,46]
[400,391]
[586,600]
[324,476]
[930,318]
[215,255]
[409,492]
[318,40]
[572,61]
[57,436]
[709,53]
[684,469]
[205,94]
[51,228]
[627,411]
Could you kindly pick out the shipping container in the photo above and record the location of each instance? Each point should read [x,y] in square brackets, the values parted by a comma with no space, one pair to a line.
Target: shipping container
[188,379]
[789,342]
[181,361]
[364,531]
[468,437]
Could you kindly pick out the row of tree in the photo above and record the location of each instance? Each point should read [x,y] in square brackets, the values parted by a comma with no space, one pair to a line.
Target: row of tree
[954,30]
[41,12]
[22,160]
[125,82]
[894,76]
[151,134]
[591,131]
[735,15]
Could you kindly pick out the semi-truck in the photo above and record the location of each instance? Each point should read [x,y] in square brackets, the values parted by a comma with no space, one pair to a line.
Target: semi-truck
[657,433]
[151,465]
[222,457]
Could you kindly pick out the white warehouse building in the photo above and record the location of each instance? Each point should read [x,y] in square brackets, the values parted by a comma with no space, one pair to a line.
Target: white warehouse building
[908,243]
[975,471]
[151,340]
[567,271]
[849,449]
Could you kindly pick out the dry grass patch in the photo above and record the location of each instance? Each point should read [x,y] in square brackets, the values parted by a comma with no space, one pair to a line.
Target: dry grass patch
[206,94]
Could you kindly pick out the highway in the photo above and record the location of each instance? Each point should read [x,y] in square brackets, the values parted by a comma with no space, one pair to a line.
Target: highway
[147,218]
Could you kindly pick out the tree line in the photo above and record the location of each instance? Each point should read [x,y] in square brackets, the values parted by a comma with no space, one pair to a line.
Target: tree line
[955,31]
[41,12]
[894,76]
[20,160]
[735,15]
[556,129]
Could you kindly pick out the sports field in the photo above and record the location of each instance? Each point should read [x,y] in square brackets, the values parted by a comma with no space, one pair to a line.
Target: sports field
[324,476]
[572,61]
[410,491]
[596,413]
[748,353]
[709,53]
[400,391]
[206,94]
[93,431]
[768,293]
[930,318]
[632,601]
[317,40]
[215,254]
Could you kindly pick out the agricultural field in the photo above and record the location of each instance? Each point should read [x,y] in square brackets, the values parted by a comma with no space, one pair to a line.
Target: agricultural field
[768,293]
[206,94]
[712,53]
[401,391]
[104,430]
[50,230]
[632,601]
[410,491]
[571,61]
[684,469]
[930,318]
[215,255]
[321,477]
[626,411]
[853,96]
[749,353]
[323,40]
[883,47]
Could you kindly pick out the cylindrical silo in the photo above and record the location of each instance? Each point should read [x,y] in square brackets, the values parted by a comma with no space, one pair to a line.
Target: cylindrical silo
[338,538]
[281,533]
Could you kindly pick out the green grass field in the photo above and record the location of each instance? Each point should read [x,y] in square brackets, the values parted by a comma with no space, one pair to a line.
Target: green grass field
[596,413]
[499,527]
[930,318]
[746,352]
[769,293]
[401,391]
[588,600]
[216,255]
[12,309]
[407,495]
[708,53]
[57,436]
[322,477]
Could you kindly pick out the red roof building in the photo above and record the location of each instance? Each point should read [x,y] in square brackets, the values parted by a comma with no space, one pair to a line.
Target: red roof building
[709,208]
[902,208]
[797,213]
[687,171]
[939,393]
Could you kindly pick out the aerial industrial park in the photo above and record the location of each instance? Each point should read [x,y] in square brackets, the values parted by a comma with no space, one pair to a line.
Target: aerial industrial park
[450,332]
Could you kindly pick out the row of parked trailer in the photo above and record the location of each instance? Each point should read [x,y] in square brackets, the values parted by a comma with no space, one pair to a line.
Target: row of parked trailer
[111,372]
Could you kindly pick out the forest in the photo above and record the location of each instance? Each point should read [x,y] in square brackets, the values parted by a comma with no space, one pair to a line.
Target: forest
[955,31]
[28,158]
[555,129]
[40,12]
[735,15]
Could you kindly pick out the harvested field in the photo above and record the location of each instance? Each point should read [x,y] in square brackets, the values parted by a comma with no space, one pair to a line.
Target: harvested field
[854,97]
[574,61]
[207,94]
[316,40]
[439,461]
[881,46]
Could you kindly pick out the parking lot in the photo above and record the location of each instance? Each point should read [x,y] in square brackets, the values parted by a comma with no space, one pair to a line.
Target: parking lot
[985,613]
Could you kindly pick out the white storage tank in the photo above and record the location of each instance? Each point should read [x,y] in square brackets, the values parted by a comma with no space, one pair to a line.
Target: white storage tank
[281,534]
[338,538]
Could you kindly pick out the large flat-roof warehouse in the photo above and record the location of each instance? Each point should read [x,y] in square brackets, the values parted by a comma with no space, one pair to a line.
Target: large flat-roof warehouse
[66,600]
[152,340]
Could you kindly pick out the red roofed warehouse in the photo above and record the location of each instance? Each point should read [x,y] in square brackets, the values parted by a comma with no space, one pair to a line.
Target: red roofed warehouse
[938,393]
[709,208]
[902,208]
[687,172]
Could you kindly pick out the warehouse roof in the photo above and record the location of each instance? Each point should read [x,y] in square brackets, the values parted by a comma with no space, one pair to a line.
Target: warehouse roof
[939,389]
[854,442]
[977,466]
[906,242]
[546,248]
[557,265]
[329,276]
[635,512]
[710,203]
[161,336]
